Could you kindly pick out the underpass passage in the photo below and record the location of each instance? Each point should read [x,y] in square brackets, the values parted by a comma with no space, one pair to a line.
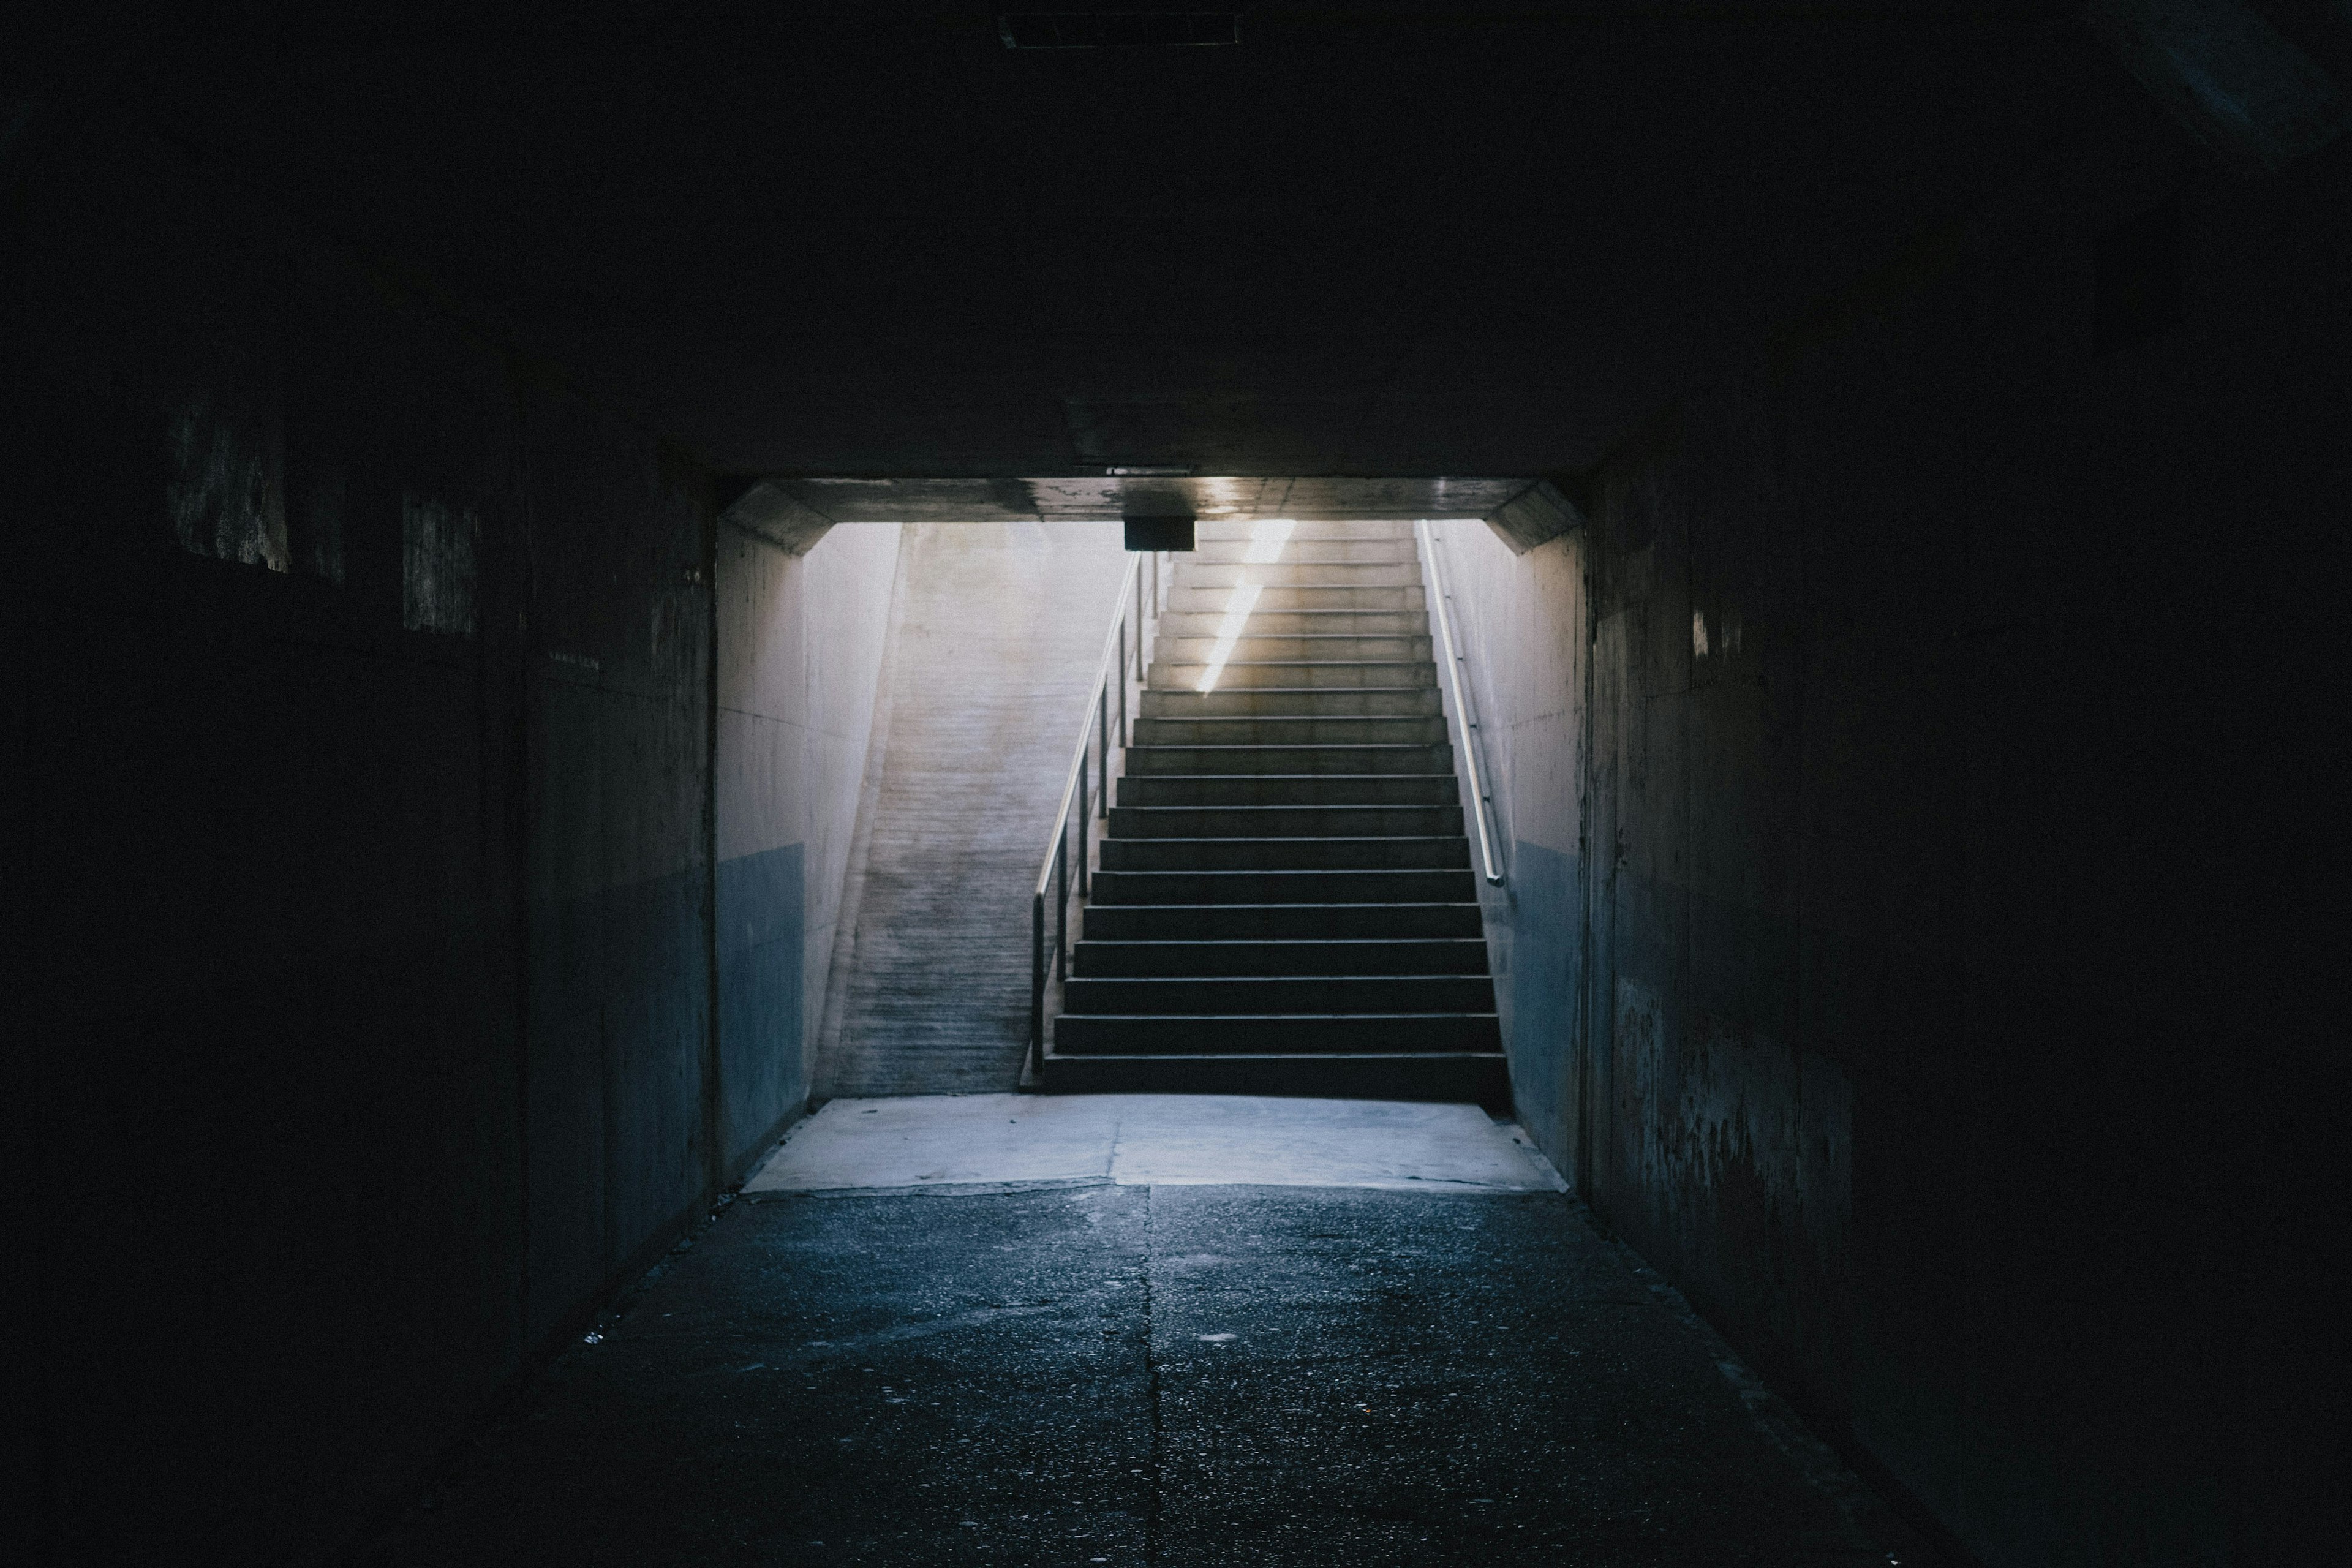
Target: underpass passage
[1879,460]
[1428,1355]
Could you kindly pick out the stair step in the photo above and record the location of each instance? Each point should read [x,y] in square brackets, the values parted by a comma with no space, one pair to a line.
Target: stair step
[1284,902]
[1280,922]
[1288,789]
[1284,854]
[1181,676]
[1479,1077]
[1227,1034]
[1429,886]
[1319,702]
[1285,821]
[1305,648]
[1291,730]
[1288,596]
[1280,995]
[1427,955]
[1264,621]
[1149,762]
[1296,551]
[1229,574]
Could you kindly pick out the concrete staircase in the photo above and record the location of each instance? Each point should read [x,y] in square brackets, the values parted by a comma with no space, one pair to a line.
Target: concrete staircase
[1284,902]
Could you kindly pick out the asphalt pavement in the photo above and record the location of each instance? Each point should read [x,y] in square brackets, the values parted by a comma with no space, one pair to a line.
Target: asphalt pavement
[1082,1369]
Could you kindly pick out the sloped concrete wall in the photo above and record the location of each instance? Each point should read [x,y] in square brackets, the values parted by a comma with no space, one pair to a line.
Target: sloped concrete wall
[801,642]
[1939,727]
[997,633]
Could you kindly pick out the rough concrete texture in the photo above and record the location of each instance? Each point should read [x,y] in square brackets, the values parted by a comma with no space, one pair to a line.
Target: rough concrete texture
[1149,1376]
[361,773]
[994,641]
[1891,916]
[948,1140]
[800,655]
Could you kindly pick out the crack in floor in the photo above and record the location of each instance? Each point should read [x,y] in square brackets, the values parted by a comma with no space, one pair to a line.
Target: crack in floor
[1152,1370]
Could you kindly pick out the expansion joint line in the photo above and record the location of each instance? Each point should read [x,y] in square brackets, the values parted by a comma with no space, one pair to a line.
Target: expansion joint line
[1151,1374]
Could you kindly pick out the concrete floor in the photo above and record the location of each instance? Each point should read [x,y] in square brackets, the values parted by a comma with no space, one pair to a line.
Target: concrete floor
[1140,1140]
[1020,1329]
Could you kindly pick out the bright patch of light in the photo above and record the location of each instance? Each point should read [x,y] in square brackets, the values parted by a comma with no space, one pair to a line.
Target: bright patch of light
[1267,536]
[1229,632]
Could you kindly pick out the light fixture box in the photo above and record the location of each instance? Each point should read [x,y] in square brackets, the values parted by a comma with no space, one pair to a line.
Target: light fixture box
[1159,532]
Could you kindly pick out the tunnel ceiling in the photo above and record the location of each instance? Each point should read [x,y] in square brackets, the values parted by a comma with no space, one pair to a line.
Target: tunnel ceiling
[1090,497]
[1398,241]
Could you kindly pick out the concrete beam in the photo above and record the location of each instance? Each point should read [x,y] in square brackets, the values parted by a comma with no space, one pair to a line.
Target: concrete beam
[1536,513]
[766,512]
[1102,498]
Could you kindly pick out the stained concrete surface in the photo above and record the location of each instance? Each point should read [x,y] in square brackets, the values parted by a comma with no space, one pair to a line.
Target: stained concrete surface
[799,645]
[1855,961]
[1135,1140]
[1154,1373]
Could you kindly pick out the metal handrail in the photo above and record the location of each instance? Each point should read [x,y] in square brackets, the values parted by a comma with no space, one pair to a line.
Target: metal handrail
[1096,725]
[1482,802]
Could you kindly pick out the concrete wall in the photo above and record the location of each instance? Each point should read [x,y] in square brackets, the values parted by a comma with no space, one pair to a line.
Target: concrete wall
[995,637]
[800,658]
[1518,622]
[360,765]
[1945,710]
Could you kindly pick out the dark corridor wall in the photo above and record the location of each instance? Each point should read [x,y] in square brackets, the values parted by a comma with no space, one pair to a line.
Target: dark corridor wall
[359,777]
[1962,690]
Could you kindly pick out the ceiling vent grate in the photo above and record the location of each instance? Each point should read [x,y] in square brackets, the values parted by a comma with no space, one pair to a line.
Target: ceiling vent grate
[1118,30]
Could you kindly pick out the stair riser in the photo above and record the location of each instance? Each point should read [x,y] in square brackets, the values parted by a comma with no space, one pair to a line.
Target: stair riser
[1229,574]
[1201,995]
[1280,922]
[1096,960]
[1264,621]
[1076,1033]
[1485,1079]
[1128,821]
[1290,789]
[1325,702]
[1148,762]
[1296,552]
[1255,649]
[1241,674]
[1284,854]
[1217,601]
[1433,887]
[1423,732]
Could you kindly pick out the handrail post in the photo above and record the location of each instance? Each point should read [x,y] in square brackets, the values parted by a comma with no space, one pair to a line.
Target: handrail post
[1062,913]
[1054,875]
[1037,983]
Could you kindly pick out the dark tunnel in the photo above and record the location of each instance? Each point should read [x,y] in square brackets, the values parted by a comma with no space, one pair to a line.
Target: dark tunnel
[1686,923]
